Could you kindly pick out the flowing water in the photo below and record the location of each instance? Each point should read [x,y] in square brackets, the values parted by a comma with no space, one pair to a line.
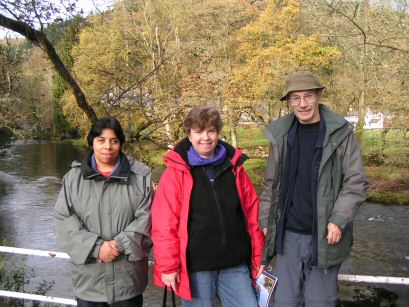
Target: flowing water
[30,179]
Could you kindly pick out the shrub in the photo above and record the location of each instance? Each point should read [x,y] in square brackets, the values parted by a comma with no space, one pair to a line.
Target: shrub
[6,138]
[15,279]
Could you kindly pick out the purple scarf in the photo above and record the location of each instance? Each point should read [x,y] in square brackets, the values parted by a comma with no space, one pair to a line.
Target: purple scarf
[196,160]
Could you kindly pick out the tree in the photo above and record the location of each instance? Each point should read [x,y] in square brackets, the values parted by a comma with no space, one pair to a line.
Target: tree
[120,62]
[67,38]
[34,94]
[11,57]
[269,49]
[372,36]
[147,61]
[24,17]
[210,45]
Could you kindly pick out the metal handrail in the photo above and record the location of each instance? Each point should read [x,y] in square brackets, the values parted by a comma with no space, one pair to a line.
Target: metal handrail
[374,279]
[66,301]
[33,252]
[35,297]
[40,298]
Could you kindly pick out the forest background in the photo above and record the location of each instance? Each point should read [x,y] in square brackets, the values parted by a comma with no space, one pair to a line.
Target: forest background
[147,62]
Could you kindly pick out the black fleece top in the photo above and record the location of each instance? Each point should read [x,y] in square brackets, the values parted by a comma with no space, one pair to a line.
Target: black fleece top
[217,233]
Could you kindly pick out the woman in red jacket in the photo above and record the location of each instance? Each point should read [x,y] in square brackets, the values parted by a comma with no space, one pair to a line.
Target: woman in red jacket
[206,237]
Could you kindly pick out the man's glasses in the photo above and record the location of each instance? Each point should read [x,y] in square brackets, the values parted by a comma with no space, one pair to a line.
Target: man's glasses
[296,100]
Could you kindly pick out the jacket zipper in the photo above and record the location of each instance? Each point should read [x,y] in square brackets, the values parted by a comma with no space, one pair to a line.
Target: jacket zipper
[219,209]
[112,265]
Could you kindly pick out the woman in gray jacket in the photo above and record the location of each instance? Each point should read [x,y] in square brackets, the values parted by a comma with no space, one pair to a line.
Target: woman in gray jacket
[103,221]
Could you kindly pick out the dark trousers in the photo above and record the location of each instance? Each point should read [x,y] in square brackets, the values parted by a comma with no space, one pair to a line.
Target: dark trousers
[136,301]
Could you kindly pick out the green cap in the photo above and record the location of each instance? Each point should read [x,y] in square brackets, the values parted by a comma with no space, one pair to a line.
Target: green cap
[301,81]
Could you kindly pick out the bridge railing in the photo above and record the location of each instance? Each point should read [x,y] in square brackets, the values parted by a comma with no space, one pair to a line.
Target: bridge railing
[68,301]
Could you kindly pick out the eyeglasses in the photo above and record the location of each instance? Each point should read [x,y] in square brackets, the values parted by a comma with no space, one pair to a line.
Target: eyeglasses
[296,100]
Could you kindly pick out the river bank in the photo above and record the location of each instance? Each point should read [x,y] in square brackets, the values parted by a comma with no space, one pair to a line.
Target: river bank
[387,184]
[30,180]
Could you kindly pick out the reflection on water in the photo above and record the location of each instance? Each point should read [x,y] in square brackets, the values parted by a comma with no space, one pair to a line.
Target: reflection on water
[30,179]
[381,246]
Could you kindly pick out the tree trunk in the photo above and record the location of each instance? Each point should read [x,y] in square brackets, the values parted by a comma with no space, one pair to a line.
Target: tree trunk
[233,126]
[169,140]
[233,135]
[382,145]
[361,118]
[40,39]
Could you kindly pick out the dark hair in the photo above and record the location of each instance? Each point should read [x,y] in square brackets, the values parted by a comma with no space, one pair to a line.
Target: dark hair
[105,123]
[202,117]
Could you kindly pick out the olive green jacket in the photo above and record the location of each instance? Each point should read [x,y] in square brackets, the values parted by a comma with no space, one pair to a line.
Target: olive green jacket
[341,188]
[91,210]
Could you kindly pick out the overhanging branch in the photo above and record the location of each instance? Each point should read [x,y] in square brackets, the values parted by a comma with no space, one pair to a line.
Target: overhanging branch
[40,39]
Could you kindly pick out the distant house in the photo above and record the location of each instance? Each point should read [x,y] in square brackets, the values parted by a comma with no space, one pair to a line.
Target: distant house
[374,119]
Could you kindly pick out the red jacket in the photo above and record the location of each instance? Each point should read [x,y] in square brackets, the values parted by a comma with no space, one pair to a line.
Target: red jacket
[170,213]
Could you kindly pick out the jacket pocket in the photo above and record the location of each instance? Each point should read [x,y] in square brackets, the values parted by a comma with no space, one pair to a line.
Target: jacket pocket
[88,281]
[131,278]
[337,253]
[269,245]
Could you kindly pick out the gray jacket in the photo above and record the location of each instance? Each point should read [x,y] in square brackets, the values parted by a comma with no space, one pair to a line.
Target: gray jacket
[91,209]
[341,190]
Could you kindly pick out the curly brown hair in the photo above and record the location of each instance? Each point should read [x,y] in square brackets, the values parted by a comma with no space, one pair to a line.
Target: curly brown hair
[202,117]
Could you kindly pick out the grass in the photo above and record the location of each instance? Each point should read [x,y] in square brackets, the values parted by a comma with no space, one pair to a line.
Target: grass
[396,148]
[248,137]
[256,168]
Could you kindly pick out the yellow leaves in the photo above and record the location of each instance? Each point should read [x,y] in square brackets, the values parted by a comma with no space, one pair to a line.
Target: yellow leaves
[273,46]
[307,51]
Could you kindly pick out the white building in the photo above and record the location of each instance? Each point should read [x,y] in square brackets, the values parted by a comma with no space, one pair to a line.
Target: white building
[374,119]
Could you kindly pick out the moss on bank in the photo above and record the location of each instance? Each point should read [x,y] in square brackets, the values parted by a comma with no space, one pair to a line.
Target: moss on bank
[389,198]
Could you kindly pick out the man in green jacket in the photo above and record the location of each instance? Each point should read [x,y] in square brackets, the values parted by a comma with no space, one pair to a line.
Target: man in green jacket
[313,186]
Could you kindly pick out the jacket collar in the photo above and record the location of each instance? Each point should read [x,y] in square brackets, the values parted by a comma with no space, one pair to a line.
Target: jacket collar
[121,173]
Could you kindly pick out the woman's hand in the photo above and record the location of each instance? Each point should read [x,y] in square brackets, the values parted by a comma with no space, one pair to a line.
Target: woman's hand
[108,251]
[171,280]
[260,270]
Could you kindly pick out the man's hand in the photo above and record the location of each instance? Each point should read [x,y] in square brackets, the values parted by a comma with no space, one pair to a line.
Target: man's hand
[264,231]
[108,251]
[171,280]
[334,233]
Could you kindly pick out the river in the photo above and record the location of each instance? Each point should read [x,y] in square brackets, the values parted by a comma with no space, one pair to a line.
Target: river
[30,179]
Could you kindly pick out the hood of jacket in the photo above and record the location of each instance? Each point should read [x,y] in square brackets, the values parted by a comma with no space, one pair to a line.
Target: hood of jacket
[337,128]
[121,174]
